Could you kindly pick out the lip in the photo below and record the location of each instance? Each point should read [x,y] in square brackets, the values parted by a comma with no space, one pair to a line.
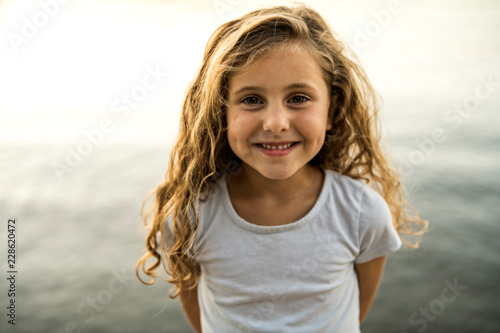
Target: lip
[275,143]
[276,152]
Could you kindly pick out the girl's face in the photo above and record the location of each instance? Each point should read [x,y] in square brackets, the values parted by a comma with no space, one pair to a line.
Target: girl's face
[277,113]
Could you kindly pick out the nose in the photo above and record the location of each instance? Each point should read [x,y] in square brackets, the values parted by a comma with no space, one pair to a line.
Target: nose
[275,120]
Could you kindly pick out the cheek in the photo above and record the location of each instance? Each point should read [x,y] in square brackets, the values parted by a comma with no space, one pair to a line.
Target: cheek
[232,136]
[238,128]
[312,124]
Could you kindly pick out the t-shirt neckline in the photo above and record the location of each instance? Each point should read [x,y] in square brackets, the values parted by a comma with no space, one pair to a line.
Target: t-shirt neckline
[278,228]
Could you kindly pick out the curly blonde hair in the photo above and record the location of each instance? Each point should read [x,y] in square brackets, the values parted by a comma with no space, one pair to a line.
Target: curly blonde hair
[202,154]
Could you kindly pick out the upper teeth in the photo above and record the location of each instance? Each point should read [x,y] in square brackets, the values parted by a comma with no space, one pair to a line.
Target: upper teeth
[288,145]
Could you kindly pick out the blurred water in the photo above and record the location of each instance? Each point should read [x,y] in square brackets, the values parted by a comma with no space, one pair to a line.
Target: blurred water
[76,236]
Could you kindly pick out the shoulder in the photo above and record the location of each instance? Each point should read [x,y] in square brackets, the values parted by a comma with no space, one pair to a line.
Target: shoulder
[205,209]
[345,190]
[362,215]
[211,202]
[374,210]
[356,191]
[343,180]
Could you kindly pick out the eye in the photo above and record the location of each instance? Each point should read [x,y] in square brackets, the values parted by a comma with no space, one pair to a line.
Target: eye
[251,100]
[299,99]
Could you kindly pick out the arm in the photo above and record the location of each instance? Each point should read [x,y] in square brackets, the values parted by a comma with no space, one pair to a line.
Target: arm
[369,275]
[189,302]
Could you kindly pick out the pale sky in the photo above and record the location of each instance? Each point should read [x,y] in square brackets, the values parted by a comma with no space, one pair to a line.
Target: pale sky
[72,69]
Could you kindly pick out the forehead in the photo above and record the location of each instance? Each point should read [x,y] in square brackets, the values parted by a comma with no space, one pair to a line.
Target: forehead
[279,68]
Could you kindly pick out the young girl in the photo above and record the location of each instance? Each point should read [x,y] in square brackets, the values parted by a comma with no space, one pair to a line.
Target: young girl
[279,207]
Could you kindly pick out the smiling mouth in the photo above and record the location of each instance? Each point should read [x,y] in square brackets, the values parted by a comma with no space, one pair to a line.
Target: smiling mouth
[276,146]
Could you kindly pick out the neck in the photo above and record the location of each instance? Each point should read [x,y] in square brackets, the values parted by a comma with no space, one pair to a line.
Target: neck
[250,184]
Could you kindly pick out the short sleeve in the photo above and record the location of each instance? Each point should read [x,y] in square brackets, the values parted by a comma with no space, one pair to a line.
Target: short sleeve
[377,236]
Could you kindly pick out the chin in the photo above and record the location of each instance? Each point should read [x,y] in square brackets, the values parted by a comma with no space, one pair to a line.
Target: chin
[278,174]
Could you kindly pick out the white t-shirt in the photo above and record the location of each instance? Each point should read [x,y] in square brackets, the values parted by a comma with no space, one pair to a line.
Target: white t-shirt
[297,277]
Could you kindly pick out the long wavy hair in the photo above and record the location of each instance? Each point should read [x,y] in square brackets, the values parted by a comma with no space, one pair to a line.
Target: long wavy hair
[202,154]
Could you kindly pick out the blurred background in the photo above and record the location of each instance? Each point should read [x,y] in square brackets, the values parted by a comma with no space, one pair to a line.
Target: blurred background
[90,98]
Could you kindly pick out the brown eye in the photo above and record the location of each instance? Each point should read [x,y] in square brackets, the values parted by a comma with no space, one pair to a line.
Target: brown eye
[251,100]
[299,99]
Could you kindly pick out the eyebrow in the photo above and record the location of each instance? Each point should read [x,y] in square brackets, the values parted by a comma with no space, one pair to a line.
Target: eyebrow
[289,87]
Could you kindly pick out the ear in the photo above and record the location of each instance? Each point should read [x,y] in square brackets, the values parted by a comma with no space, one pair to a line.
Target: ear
[333,105]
